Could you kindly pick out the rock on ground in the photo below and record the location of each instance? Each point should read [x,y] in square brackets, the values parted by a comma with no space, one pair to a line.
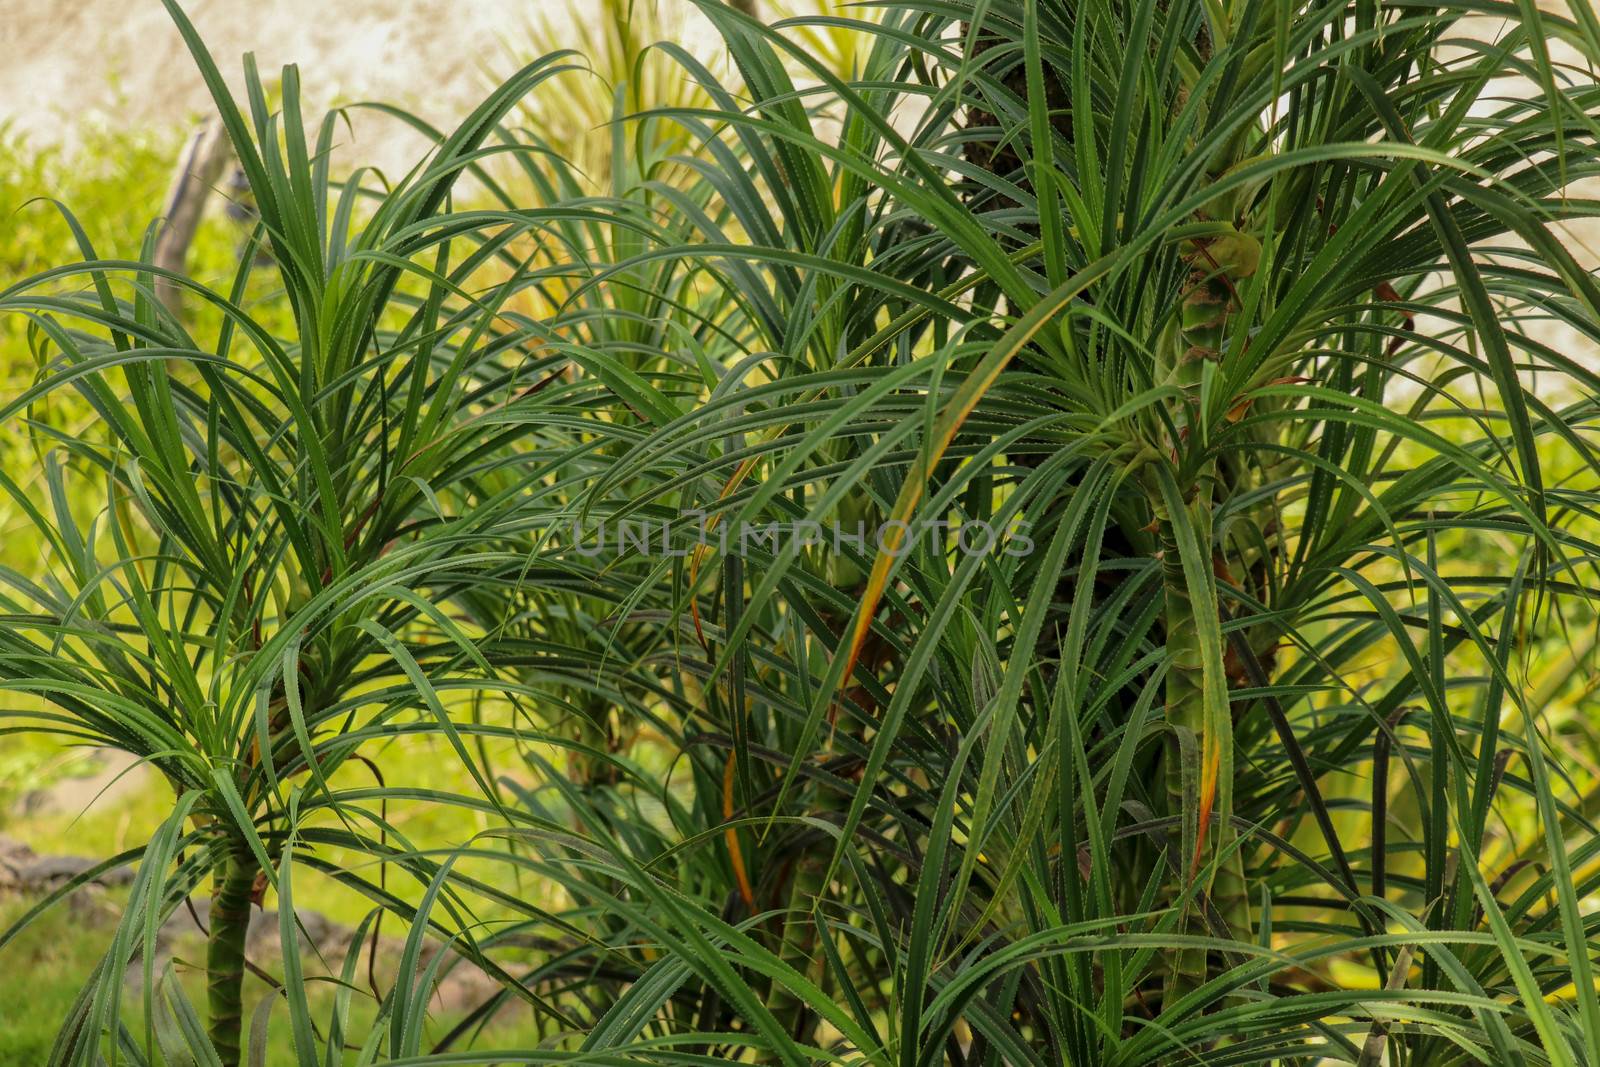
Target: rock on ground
[116,774]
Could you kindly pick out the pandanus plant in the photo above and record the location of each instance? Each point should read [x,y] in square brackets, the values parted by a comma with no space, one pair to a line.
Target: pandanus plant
[1260,303]
[252,549]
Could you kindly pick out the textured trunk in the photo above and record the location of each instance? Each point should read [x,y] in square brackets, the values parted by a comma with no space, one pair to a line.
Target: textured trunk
[806,876]
[799,948]
[230,920]
[1198,793]
[1185,714]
